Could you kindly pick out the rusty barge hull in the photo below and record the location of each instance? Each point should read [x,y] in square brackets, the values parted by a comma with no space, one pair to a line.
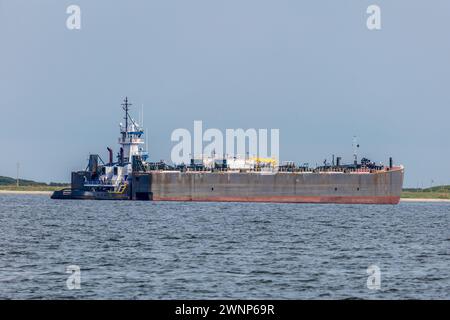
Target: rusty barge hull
[380,187]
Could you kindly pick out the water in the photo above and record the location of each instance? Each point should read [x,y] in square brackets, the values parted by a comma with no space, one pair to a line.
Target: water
[172,250]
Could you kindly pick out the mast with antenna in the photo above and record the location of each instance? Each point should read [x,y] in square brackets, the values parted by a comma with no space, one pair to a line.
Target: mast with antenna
[125,106]
[131,139]
[355,150]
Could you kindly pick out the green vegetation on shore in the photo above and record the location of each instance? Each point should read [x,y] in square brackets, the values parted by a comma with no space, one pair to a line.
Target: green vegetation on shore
[438,192]
[10,184]
[32,188]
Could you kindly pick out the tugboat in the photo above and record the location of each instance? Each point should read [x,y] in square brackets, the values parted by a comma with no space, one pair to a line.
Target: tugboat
[110,181]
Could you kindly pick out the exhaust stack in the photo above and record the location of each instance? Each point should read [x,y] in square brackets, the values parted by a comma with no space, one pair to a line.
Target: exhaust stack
[110,151]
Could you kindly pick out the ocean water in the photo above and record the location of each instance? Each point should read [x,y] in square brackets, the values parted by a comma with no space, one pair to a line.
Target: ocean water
[175,250]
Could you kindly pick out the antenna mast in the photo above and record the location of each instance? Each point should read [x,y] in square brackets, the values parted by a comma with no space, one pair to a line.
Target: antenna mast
[125,106]
[355,150]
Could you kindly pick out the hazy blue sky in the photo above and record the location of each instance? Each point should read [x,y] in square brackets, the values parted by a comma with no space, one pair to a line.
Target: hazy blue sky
[310,68]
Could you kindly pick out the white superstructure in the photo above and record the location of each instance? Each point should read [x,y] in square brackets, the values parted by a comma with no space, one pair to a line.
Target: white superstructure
[131,139]
[115,174]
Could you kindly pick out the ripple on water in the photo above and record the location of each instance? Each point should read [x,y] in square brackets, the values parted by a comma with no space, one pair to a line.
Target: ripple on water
[146,250]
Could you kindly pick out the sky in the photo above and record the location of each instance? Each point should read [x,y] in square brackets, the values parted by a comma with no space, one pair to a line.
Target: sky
[311,69]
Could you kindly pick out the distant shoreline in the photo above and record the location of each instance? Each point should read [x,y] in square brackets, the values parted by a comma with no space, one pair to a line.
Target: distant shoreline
[423,200]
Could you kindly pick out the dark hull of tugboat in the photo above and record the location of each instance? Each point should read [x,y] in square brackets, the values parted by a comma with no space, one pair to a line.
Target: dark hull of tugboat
[88,195]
